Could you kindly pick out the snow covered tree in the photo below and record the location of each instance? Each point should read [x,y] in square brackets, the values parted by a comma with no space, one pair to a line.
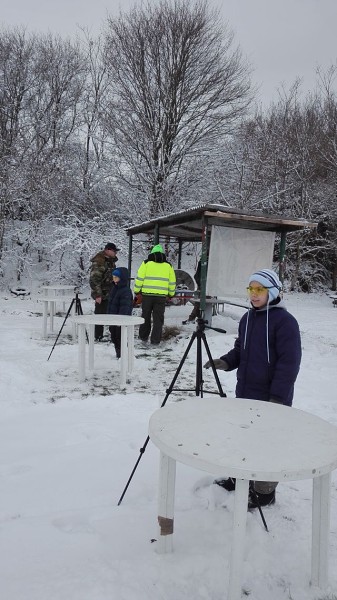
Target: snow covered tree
[177,85]
[16,83]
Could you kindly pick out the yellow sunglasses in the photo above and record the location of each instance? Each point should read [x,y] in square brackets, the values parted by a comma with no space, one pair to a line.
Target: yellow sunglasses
[257,290]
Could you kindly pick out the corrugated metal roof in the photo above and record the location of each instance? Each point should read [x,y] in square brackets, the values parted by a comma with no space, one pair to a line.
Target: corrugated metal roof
[187,224]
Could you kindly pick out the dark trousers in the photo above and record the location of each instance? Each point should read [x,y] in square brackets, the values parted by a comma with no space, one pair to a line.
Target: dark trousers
[115,331]
[152,306]
[100,309]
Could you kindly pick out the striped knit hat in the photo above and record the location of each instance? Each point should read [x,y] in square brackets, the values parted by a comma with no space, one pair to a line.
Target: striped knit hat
[268,279]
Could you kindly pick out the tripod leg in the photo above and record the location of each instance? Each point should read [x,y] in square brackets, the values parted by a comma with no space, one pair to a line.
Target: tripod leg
[216,376]
[168,392]
[256,498]
[59,333]
[78,309]
[198,372]
[180,366]
[141,452]
[73,325]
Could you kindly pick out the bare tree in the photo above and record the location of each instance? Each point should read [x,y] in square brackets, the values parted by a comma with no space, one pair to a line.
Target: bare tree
[177,84]
[96,87]
[54,119]
[16,81]
[327,149]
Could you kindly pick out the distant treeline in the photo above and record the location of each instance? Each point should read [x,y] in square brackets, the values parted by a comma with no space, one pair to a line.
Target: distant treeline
[155,115]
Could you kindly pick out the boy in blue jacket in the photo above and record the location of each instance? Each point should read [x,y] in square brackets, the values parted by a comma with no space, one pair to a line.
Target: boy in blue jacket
[267,356]
[120,303]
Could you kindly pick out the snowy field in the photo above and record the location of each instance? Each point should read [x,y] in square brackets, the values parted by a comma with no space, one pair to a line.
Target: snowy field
[67,450]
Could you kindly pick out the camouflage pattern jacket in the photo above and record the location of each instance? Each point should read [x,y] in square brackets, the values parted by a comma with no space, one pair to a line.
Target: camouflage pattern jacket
[101,275]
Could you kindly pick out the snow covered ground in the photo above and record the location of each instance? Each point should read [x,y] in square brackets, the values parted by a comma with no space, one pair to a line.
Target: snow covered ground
[67,450]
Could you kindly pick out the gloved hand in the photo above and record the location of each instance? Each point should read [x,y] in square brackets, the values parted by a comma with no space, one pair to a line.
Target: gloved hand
[137,300]
[219,364]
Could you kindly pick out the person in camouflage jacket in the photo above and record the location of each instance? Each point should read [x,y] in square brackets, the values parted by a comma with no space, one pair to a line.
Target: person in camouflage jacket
[102,265]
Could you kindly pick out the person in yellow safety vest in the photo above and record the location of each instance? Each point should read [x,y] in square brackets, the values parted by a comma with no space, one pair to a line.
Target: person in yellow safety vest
[156,280]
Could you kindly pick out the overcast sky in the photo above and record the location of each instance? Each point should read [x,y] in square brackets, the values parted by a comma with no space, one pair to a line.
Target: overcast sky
[282,39]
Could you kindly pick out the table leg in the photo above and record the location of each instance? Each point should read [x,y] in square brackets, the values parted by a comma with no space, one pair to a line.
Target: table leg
[45,317]
[320,530]
[167,480]
[52,311]
[239,530]
[91,346]
[81,351]
[131,337]
[124,355]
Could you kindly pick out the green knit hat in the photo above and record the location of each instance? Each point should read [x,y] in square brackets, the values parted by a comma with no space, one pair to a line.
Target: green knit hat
[157,248]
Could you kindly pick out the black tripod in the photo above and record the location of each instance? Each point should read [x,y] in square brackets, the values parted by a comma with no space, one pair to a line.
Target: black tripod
[78,311]
[199,335]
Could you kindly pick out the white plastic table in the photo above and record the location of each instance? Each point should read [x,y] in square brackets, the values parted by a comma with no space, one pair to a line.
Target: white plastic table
[127,324]
[246,439]
[58,290]
[49,310]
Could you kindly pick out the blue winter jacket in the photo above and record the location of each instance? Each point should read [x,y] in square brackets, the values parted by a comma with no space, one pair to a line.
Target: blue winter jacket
[266,354]
[121,297]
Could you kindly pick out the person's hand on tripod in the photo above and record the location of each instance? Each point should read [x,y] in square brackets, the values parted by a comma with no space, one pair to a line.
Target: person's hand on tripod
[219,364]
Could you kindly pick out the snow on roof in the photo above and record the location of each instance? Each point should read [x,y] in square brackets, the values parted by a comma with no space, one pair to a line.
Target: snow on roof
[187,224]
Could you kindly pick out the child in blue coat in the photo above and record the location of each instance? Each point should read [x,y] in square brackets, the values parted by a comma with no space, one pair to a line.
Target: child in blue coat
[267,356]
[120,303]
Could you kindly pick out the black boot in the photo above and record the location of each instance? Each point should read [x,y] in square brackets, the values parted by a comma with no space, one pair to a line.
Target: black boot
[256,498]
[227,484]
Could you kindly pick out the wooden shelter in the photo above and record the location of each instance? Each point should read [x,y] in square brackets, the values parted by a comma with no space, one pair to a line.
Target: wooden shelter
[194,225]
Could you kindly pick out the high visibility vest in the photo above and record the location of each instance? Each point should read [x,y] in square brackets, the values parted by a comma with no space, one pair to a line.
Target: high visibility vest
[155,279]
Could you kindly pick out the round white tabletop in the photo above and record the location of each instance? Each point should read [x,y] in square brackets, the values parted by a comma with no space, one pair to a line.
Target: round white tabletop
[248,439]
[108,319]
[64,298]
[58,286]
